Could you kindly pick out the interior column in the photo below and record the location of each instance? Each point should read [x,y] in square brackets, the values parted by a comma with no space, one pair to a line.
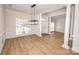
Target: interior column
[40,24]
[67,25]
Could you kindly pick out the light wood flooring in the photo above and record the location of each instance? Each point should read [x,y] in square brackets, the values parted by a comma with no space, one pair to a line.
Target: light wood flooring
[35,45]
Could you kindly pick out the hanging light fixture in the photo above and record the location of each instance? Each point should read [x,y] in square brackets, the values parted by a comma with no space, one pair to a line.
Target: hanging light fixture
[33,20]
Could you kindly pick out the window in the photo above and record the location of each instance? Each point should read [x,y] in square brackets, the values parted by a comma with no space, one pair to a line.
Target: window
[21,27]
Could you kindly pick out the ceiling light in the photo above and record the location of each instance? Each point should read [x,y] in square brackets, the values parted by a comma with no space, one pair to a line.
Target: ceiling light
[33,20]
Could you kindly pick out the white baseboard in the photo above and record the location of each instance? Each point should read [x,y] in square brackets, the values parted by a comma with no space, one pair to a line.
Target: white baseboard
[14,36]
[19,36]
[75,50]
[39,35]
[59,31]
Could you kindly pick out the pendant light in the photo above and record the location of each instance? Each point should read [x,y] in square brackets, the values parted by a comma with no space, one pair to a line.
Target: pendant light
[33,20]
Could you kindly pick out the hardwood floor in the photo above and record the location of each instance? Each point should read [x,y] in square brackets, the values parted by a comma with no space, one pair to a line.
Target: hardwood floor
[35,45]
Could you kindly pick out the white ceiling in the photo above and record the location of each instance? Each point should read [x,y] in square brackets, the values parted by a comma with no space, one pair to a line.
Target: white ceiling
[40,8]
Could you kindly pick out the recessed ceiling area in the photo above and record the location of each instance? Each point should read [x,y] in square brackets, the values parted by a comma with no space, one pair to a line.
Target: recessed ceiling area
[40,8]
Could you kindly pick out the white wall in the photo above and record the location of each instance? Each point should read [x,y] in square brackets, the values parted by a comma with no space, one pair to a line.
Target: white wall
[60,23]
[51,24]
[1,19]
[59,16]
[44,24]
[2,31]
[11,16]
[57,12]
[75,46]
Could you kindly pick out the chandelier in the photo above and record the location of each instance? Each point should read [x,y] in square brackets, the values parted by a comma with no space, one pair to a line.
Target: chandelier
[33,20]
